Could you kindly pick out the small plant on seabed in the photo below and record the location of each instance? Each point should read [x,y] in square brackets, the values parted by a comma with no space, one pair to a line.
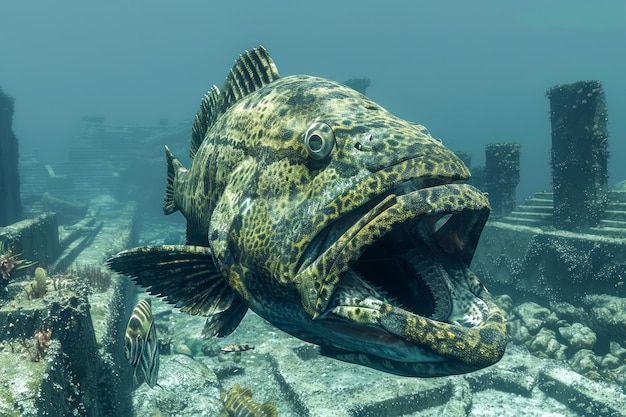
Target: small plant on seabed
[97,278]
[41,341]
[9,262]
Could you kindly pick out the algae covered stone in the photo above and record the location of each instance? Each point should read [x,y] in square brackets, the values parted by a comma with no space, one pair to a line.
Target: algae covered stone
[585,362]
[578,336]
[545,345]
[533,316]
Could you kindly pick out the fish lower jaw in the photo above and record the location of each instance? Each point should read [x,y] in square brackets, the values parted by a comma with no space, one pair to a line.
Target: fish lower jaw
[368,312]
[408,269]
[383,336]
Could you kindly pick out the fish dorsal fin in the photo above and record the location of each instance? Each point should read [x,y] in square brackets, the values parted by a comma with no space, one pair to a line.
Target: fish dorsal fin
[251,71]
[206,116]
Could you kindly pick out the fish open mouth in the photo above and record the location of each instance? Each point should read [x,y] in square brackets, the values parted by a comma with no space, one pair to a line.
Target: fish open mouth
[411,245]
[422,266]
[408,253]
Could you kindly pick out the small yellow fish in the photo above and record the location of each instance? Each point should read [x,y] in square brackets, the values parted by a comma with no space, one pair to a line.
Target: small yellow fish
[141,345]
[238,403]
[237,348]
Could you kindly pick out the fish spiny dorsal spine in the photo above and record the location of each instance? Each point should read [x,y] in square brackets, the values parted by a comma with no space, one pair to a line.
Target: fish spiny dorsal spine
[174,167]
[253,70]
[204,119]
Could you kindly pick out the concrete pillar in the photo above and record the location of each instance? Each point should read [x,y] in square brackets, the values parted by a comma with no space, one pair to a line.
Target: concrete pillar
[502,176]
[10,204]
[579,154]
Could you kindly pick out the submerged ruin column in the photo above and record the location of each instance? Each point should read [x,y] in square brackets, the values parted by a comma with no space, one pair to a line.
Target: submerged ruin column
[10,205]
[502,176]
[579,154]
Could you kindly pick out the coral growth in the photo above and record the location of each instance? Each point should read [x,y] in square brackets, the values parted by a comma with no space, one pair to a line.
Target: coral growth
[41,341]
[9,262]
[38,287]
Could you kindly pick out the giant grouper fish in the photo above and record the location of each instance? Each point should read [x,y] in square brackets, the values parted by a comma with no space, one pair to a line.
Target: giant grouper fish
[332,219]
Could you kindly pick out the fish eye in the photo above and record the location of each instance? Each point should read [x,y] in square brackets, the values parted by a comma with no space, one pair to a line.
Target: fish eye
[319,140]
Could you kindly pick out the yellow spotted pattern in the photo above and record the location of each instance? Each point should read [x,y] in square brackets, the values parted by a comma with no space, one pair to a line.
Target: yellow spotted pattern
[257,198]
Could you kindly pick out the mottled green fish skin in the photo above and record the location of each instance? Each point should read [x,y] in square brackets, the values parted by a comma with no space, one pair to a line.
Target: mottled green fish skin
[276,161]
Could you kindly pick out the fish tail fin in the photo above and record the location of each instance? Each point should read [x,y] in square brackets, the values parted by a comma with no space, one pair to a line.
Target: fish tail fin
[174,169]
[268,409]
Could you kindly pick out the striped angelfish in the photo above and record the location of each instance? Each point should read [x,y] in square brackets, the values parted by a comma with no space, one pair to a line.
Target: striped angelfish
[141,343]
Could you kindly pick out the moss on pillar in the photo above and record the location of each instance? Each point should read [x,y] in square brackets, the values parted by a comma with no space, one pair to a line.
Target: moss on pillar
[579,154]
[10,205]
[502,176]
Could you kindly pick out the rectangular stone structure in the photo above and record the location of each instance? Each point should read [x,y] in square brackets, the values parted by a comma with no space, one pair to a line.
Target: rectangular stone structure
[502,175]
[579,154]
[35,239]
[10,203]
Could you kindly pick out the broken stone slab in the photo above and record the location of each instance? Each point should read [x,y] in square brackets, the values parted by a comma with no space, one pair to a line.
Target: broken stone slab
[67,210]
[20,379]
[65,371]
[186,387]
[566,265]
[35,239]
[323,386]
[69,233]
[587,397]
[71,252]
[85,371]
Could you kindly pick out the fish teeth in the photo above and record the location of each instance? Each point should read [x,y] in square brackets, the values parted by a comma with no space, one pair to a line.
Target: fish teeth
[434,276]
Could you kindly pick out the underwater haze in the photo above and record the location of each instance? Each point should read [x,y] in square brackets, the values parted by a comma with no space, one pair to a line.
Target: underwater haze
[472,72]
[324,257]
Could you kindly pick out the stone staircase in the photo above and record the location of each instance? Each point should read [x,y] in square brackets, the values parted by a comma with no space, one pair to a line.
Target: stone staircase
[537,211]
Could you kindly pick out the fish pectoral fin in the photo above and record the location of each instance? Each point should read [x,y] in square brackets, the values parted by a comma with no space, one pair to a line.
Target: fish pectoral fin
[185,275]
[224,323]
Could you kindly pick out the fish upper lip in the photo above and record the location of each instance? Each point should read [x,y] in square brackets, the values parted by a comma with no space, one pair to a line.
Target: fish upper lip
[325,237]
[338,246]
